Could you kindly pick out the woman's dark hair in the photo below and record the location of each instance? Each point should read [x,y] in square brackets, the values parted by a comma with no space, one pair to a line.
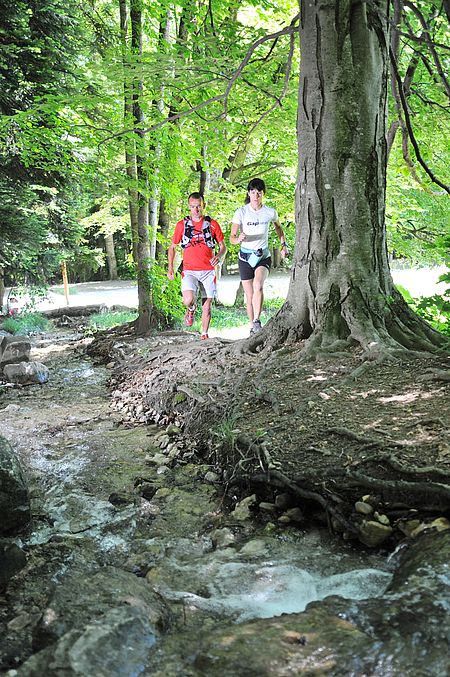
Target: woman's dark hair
[257,184]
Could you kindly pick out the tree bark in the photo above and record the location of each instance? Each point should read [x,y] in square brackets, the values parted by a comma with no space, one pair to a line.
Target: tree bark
[341,290]
[111,257]
[129,143]
[144,320]
[2,287]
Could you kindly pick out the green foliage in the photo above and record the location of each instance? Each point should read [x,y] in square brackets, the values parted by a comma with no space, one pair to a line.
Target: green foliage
[26,323]
[226,432]
[166,294]
[434,309]
[107,320]
[225,317]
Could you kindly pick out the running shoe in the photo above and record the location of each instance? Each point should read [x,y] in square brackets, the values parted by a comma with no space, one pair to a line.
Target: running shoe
[189,317]
[204,337]
[256,327]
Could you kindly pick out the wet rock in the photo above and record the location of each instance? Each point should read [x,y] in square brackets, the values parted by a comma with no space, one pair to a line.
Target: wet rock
[12,560]
[115,645]
[26,373]
[14,498]
[373,533]
[264,506]
[242,510]
[222,538]
[363,508]
[254,548]
[212,477]
[441,524]
[382,519]
[14,349]
[119,498]
[84,597]
[284,501]
[295,515]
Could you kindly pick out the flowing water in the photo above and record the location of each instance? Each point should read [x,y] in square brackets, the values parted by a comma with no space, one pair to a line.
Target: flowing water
[77,456]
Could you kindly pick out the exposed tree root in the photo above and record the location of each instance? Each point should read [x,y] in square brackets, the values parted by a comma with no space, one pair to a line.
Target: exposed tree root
[406,469]
[278,479]
[391,489]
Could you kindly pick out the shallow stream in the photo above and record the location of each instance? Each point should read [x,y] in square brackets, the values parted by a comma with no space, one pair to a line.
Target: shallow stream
[86,472]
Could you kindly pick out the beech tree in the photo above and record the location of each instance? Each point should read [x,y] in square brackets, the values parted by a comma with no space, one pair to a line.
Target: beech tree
[341,290]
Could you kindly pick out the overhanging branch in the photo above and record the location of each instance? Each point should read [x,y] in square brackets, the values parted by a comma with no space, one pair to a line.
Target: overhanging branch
[409,127]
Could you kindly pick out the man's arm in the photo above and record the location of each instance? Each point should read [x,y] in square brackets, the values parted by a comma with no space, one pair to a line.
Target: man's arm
[219,257]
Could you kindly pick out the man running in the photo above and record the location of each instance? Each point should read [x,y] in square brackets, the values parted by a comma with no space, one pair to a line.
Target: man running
[197,235]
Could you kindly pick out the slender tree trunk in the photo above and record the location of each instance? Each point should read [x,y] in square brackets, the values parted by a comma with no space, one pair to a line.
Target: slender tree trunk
[2,287]
[341,289]
[130,146]
[144,320]
[163,226]
[111,257]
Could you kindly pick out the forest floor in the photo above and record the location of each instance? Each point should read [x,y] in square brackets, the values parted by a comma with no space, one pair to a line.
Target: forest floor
[331,433]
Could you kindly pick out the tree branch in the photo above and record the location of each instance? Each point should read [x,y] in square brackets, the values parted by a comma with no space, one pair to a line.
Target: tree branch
[288,30]
[429,42]
[409,127]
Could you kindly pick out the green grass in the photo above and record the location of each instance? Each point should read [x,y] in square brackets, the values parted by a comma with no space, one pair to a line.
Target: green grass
[107,320]
[25,323]
[225,317]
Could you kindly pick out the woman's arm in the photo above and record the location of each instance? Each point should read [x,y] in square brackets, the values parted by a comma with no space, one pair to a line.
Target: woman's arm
[235,236]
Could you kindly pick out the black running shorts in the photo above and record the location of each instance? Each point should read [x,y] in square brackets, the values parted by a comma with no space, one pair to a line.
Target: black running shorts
[246,271]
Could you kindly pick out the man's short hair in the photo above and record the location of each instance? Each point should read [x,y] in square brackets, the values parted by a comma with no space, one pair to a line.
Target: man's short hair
[196,196]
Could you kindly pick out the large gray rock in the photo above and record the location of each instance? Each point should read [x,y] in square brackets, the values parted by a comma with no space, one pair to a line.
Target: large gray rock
[83,597]
[116,645]
[14,349]
[26,373]
[14,498]
[12,560]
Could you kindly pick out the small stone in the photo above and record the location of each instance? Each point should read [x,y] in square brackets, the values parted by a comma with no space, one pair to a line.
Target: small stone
[382,519]
[222,538]
[363,508]
[242,509]
[267,507]
[20,622]
[373,533]
[418,530]
[212,477]
[159,459]
[295,515]
[407,527]
[163,441]
[441,524]
[284,519]
[254,548]
[284,501]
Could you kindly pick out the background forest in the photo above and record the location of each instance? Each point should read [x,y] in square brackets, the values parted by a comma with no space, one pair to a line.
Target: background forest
[112,112]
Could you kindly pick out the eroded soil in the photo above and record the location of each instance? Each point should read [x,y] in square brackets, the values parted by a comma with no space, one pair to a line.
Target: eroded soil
[329,431]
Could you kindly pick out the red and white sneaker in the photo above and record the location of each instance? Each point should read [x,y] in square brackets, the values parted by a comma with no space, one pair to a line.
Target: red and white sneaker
[189,317]
[204,337]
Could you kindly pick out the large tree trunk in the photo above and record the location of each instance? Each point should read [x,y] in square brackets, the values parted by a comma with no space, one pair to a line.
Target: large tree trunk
[341,289]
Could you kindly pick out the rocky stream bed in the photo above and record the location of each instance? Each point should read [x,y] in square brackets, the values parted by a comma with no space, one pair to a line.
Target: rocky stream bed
[151,551]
